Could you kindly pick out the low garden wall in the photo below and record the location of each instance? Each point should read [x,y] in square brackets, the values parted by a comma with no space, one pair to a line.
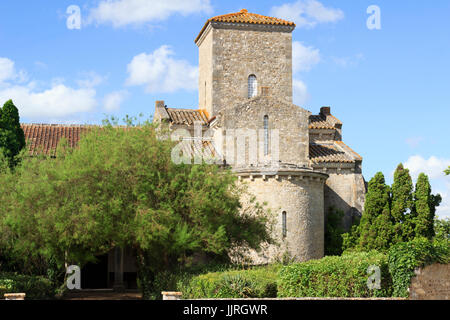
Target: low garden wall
[431,283]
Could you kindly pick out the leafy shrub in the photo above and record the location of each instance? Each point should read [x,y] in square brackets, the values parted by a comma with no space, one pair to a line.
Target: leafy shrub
[256,282]
[334,232]
[333,276]
[405,257]
[35,287]
[173,280]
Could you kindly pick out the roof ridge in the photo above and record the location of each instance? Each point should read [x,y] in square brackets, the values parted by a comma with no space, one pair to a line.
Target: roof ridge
[59,125]
[244,16]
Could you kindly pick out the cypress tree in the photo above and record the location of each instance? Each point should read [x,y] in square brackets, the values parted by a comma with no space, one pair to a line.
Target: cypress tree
[423,208]
[402,205]
[376,229]
[12,137]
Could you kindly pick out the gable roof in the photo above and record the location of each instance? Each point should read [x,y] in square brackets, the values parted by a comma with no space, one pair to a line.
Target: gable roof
[336,152]
[244,16]
[187,116]
[321,121]
[44,138]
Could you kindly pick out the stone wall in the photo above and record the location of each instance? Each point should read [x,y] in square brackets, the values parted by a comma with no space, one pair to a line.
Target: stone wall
[431,283]
[300,195]
[230,53]
[290,121]
[345,190]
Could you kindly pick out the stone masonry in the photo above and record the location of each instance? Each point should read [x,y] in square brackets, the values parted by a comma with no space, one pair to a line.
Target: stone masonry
[289,158]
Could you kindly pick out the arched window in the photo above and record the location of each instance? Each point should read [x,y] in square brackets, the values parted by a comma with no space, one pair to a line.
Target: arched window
[252,86]
[266,135]
[284,223]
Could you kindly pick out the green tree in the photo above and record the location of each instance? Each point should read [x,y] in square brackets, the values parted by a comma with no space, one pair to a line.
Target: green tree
[442,229]
[12,137]
[333,232]
[447,172]
[424,207]
[402,204]
[119,188]
[376,230]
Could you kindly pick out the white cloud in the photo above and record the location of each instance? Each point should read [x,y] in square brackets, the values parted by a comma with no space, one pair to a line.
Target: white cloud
[58,101]
[300,94]
[114,100]
[160,72]
[303,57]
[91,79]
[345,62]
[433,167]
[307,13]
[8,72]
[136,12]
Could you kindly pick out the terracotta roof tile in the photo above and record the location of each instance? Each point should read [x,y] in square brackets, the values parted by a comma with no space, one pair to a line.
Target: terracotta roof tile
[337,152]
[187,116]
[323,122]
[244,16]
[44,138]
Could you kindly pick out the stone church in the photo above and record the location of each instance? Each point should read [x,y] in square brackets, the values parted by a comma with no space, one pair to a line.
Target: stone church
[245,94]
[288,157]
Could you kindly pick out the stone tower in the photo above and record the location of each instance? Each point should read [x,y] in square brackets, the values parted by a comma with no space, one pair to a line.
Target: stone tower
[234,47]
[245,84]
[294,161]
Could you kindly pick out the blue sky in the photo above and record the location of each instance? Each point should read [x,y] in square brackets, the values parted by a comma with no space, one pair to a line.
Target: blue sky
[389,86]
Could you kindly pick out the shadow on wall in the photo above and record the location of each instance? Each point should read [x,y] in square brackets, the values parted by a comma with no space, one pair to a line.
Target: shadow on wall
[334,200]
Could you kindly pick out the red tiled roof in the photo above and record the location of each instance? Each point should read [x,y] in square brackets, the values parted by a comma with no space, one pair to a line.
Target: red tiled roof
[337,152]
[245,17]
[323,122]
[187,116]
[44,138]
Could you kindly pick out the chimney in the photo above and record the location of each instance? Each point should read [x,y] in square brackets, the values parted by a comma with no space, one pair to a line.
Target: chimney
[160,104]
[160,111]
[325,111]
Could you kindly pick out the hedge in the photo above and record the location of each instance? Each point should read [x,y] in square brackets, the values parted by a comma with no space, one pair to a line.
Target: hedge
[35,287]
[256,282]
[404,258]
[333,276]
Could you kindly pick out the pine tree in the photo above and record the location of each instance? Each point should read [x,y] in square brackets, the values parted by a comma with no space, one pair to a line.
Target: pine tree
[376,229]
[12,137]
[402,204]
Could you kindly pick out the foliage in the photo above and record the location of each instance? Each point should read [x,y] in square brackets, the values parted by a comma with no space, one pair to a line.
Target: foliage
[119,187]
[447,171]
[405,257]
[376,230]
[12,137]
[344,276]
[333,232]
[402,205]
[350,239]
[256,282]
[424,208]
[35,287]
[442,229]
[394,214]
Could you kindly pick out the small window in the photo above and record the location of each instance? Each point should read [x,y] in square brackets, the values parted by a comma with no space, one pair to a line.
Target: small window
[252,86]
[284,223]
[266,135]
